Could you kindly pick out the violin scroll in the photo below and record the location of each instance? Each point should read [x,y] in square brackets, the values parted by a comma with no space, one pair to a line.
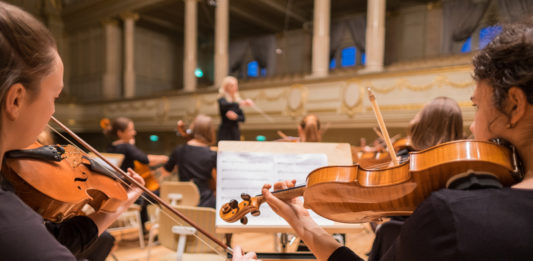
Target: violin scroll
[233,211]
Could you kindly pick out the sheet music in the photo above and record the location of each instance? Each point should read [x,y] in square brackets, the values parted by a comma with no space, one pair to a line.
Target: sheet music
[247,172]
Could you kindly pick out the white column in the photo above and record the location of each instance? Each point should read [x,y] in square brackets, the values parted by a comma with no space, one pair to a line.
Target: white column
[129,69]
[110,79]
[221,41]
[375,35]
[189,63]
[321,25]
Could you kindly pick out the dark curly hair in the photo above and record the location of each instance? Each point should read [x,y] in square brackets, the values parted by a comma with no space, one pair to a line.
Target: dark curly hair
[507,62]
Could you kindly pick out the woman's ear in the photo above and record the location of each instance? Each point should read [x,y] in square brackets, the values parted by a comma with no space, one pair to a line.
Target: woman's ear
[120,134]
[14,101]
[517,101]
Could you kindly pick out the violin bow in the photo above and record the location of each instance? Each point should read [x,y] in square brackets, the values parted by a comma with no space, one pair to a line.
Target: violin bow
[262,113]
[144,189]
[382,126]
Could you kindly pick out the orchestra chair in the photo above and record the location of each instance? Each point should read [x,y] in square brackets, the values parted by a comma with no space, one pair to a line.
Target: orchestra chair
[128,221]
[190,195]
[175,193]
[183,239]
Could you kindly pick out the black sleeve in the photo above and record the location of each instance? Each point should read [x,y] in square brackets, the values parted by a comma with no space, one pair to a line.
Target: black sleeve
[77,233]
[344,254]
[226,106]
[136,154]
[24,237]
[429,234]
[172,160]
[240,114]
[214,159]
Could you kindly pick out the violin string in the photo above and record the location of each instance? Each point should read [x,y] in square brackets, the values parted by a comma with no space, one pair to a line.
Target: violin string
[161,210]
[384,164]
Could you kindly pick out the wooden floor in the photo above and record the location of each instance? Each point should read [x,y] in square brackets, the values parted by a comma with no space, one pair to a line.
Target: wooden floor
[127,247]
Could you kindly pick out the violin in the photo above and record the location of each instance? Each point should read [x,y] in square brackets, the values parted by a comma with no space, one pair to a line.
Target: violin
[401,144]
[94,191]
[353,194]
[150,181]
[57,181]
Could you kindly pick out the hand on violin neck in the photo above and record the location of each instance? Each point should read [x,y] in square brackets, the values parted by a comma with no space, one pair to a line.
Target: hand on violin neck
[291,210]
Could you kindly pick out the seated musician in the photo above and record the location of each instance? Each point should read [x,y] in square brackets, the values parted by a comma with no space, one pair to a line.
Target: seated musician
[482,224]
[308,130]
[31,79]
[439,121]
[195,161]
[122,132]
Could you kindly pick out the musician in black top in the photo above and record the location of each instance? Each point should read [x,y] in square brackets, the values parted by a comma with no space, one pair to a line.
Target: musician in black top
[196,161]
[482,224]
[122,131]
[31,78]
[229,104]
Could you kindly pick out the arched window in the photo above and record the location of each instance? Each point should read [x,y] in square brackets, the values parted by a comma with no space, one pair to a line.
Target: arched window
[333,64]
[348,56]
[467,45]
[253,69]
[488,33]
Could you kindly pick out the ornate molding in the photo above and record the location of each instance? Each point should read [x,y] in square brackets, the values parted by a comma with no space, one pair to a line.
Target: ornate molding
[352,97]
[296,100]
[341,102]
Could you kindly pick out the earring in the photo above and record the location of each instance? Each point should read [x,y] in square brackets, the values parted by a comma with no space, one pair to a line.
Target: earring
[509,126]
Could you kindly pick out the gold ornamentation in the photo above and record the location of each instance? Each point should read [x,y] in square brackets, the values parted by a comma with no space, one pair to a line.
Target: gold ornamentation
[202,101]
[162,109]
[263,95]
[296,100]
[351,109]
[440,81]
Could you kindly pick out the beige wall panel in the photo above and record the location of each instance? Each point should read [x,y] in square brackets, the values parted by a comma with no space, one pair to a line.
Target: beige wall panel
[342,102]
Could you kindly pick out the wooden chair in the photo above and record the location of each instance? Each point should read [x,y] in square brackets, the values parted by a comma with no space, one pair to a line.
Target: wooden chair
[179,237]
[190,195]
[175,193]
[129,221]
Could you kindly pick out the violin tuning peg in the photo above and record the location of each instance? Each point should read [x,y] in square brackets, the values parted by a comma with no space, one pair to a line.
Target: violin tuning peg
[245,196]
[226,209]
[234,204]
[256,213]
[244,220]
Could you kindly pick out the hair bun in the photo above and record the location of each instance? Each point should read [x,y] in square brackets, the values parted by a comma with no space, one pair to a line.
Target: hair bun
[105,124]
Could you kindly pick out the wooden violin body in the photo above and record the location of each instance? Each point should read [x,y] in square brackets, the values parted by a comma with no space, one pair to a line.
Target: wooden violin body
[352,194]
[150,181]
[58,189]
